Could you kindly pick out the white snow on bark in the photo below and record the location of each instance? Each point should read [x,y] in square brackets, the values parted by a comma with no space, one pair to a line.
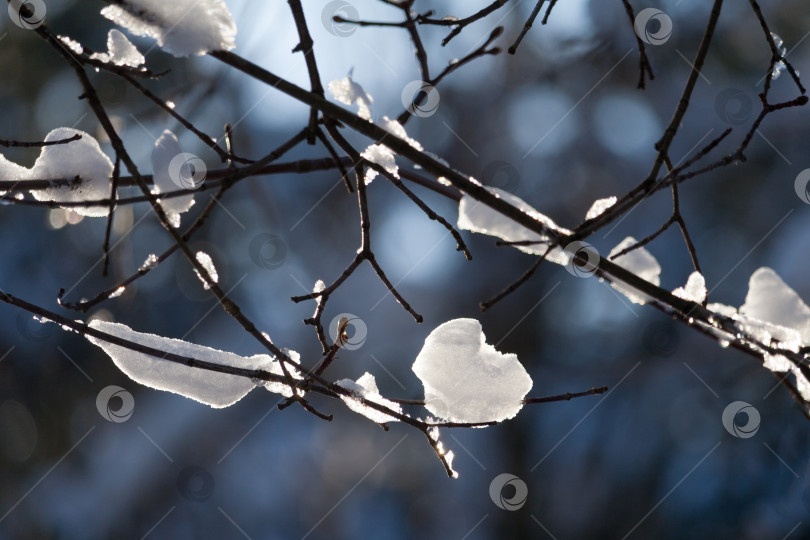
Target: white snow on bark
[772,311]
[771,300]
[120,51]
[150,263]
[773,314]
[383,156]
[11,173]
[181,27]
[82,158]
[71,44]
[205,260]
[210,387]
[777,363]
[477,217]
[466,379]
[395,128]
[167,176]
[276,369]
[366,387]
[599,206]
[694,290]
[348,92]
[641,263]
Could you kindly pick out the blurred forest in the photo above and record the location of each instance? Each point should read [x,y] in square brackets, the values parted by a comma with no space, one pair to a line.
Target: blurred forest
[643,459]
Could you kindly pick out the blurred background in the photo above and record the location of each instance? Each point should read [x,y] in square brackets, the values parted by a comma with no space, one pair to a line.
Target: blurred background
[560,124]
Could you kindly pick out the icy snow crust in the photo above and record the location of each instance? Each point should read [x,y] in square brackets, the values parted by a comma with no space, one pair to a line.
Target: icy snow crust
[599,206]
[466,379]
[210,387]
[181,27]
[348,92]
[694,290]
[773,311]
[477,217]
[770,299]
[82,158]
[120,51]
[366,386]
[641,263]
[167,148]
[205,260]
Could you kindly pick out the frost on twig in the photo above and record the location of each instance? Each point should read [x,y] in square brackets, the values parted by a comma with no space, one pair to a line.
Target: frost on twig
[205,260]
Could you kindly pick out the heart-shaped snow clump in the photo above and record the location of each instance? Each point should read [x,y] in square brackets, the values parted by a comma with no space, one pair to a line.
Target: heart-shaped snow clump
[466,379]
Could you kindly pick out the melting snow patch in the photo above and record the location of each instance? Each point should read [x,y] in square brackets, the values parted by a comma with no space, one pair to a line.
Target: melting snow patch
[366,387]
[210,387]
[181,27]
[477,217]
[205,260]
[120,51]
[599,206]
[641,263]
[82,158]
[348,92]
[467,379]
[694,290]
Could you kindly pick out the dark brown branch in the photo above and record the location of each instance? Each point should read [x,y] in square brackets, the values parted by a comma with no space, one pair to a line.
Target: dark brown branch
[9,143]
[456,24]
[700,58]
[306,45]
[527,275]
[526,26]
[644,66]
[567,396]
[111,214]
[775,55]
[226,184]
[433,216]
